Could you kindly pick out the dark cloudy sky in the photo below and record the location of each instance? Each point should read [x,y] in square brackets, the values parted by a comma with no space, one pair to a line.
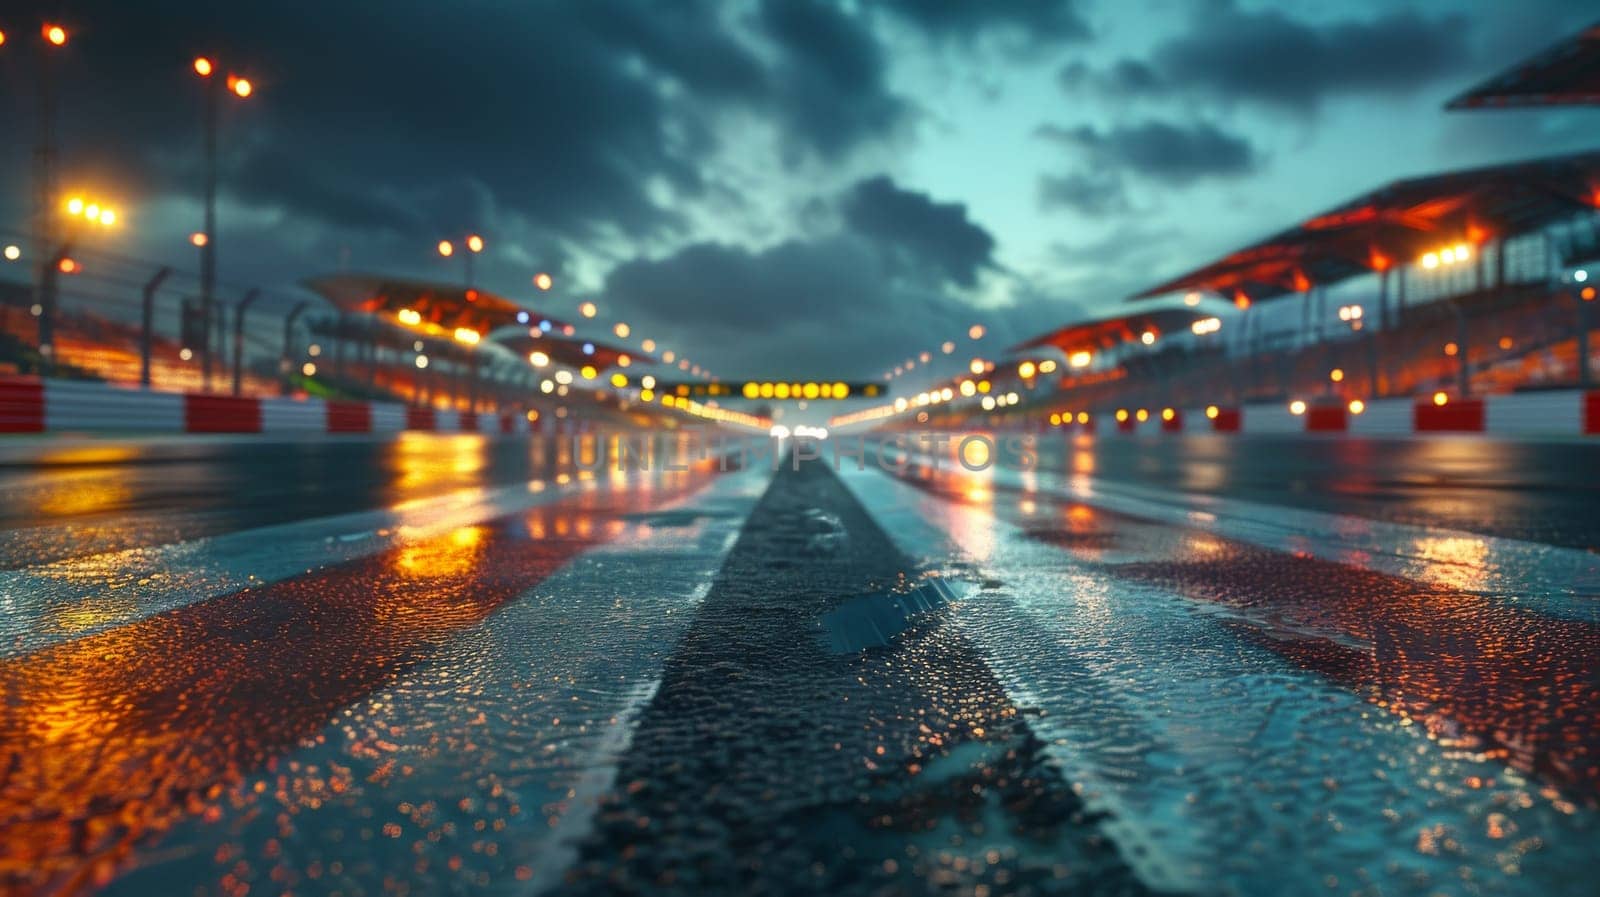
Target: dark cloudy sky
[774,187]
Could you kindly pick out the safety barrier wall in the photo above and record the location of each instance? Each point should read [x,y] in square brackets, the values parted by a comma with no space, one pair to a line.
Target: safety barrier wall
[32,405]
[1552,413]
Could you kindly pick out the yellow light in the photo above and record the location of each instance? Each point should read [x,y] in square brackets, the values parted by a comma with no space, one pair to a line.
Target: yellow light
[538,359]
[542,281]
[202,67]
[68,266]
[1450,349]
[407,316]
[588,310]
[968,388]
[1336,375]
[92,211]
[533,415]
[1047,366]
[976,366]
[241,87]
[1168,414]
[1083,417]
[108,217]
[811,391]
[781,391]
[1026,370]
[1212,411]
[623,360]
[1463,252]
[2,38]
[1142,415]
[619,380]
[841,391]
[621,330]
[1440,399]
[1430,260]
[1080,359]
[75,206]
[468,336]
[766,390]
[1055,420]
[1447,256]
[55,34]
[1357,406]
[1297,407]
[309,369]
[475,243]
[588,372]
[446,249]
[984,386]
[1122,415]
[752,390]
[199,238]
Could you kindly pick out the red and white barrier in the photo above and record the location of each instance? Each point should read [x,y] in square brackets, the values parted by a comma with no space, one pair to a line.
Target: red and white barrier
[32,405]
[1552,413]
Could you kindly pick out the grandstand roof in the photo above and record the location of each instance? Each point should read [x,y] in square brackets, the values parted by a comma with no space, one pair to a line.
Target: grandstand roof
[569,351]
[1108,333]
[443,308]
[1397,223]
[1566,74]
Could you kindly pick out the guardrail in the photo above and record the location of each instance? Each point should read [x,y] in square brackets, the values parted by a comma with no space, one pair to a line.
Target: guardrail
[39,405]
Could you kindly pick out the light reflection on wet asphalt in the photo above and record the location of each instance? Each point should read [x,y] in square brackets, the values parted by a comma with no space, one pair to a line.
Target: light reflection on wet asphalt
[441,664]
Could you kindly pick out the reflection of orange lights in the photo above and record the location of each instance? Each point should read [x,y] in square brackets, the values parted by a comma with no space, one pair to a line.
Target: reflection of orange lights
[451,555]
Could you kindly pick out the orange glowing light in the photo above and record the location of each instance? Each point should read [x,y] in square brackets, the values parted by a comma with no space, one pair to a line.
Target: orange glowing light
[68,266]
[446,249]
[202,67]
[475,243]
[542,281]
[1440,399]
[1241,301]
[55,34]
[1587,294]
[240,86]
[1451,349]
[198,238]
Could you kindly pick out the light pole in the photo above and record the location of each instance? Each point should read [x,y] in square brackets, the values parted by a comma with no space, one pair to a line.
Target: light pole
[473,244]
[53,36]
[285,364]
[214,88]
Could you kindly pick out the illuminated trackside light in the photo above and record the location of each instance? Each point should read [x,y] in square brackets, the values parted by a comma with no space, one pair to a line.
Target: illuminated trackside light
[542,281]
[1047,366]
[1430,260]
[1463,252]
[1447,256]
[241,87]
[1027,370]
[588,310]
[968,388]
[619,380]
[1083,417]
[203,67]
[976,366]
[563,377]
[198,238]
[1148,337]
[446,248]
[475,243]
[1336,375]
[1440,398]
[467,336]
[1212,411]
[1080,359]
[409,316]
[13,252]
[1142,415]
[1055,420]
[1297,407]
[1580,275]
[538,359]
[1191,299]
[588,372]
[1357,406]
[647,381]
[1168,414]
[309,369]
[422,361]
[752,390]
[976,332]
[988,403]
[1122,415]
[54,34]
[547,386]
[75,206]
[621,330]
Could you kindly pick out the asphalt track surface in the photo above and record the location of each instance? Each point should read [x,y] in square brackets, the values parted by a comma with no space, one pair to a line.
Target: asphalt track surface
[451,664]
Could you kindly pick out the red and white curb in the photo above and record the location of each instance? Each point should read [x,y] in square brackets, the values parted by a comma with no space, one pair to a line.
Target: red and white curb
[32,405]
[1568,412]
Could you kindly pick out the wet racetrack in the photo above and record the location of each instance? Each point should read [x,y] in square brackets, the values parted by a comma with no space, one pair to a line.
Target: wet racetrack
[438,664]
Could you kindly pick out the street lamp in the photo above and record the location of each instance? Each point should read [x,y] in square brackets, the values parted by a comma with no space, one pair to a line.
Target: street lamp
[45,220]
[473,244]
[206,240]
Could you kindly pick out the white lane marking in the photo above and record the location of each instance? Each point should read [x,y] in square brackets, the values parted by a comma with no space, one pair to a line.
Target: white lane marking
[1550,579]
[66,599]
[1224,767]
